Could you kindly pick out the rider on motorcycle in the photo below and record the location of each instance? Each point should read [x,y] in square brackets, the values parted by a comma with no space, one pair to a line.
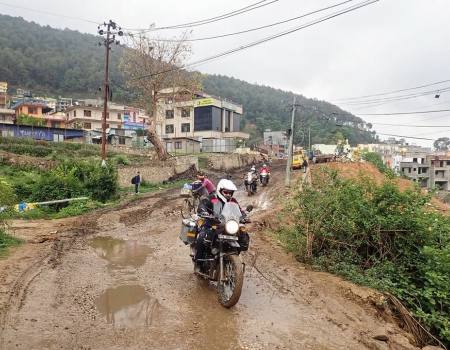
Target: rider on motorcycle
[264,168]
[212,205]
[207,187]
[254,176]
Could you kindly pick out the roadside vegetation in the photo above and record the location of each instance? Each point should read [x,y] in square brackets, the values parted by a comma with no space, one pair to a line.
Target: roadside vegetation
[377,235]
[377,161]
[7,198]
[72,170]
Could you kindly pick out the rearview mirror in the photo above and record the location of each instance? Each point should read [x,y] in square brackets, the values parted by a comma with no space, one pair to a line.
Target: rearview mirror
[249,208]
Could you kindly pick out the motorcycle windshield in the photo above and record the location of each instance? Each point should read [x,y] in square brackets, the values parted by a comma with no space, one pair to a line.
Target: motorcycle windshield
[231,211]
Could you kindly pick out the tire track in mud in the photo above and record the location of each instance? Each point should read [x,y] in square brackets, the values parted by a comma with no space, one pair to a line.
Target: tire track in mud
[52,254]
[283,305]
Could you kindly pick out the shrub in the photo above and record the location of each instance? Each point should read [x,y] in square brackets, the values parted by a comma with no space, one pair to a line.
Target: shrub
[121,159]
[77,208]
[102,182]
[379,236]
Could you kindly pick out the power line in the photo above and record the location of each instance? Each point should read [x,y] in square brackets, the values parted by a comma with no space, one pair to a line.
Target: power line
[50,13]
[394,91]
[395,98]
[414,126]
[407,137]
[258,28]
[400,113]
[240,11]
[266,39]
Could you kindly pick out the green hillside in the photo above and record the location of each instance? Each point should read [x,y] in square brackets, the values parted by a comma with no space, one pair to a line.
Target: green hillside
[68,63]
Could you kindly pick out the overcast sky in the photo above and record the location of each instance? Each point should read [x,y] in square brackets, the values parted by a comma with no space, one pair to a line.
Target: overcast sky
[389,45]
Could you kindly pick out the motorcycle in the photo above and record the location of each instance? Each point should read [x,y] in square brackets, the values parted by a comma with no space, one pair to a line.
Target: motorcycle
[222,262]
[250,183]
[264,177]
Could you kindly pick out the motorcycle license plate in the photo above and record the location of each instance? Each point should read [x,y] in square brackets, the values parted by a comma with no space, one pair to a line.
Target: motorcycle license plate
[233,238]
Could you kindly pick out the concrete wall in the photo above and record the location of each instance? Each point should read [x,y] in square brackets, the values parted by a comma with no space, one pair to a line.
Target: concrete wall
[231,161]
[156,171]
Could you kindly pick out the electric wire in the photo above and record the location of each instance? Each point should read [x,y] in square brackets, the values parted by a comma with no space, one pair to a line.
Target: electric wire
[263,40]
[256,28]
[406,137]
[51,13]
[413,126]
[395,98]
[240,11]
[394,91]
[404,113]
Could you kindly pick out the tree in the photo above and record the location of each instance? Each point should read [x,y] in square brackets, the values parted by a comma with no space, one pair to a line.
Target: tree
[442,144]
[151,66]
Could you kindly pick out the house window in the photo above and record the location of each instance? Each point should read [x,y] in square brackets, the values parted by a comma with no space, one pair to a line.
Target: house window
[121,140]
[107,115]
[74,113]
[87,113]
[119,116]
[170,129]
[185,127]
[185,113]
[178,145]
[32,110]
[169,114]
[86,125]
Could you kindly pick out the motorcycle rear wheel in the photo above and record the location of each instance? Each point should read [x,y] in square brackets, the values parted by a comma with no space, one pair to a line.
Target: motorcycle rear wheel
[229,290]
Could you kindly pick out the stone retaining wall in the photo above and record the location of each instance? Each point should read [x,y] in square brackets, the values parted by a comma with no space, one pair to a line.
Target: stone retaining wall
[156,171]
[232,161]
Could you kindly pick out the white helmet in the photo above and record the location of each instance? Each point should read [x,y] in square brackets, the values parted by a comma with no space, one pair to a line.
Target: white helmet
[226,185]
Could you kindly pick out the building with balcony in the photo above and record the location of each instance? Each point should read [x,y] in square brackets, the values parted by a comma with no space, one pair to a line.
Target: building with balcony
[214,122]
[429,171]
[31,107]
[87,115]
[7,116]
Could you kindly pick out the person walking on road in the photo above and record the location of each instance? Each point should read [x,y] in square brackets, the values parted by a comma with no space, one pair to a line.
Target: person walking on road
[305,165]
[136,181]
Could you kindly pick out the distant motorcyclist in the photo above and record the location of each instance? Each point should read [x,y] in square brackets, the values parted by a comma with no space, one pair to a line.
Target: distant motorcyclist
[251,179]
[264,169]
[210,207]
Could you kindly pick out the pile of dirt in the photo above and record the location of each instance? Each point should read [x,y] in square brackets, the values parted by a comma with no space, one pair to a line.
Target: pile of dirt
[354,170]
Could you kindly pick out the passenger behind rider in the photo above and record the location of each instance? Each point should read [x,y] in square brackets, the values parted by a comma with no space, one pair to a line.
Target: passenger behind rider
[212,206]
[207,187]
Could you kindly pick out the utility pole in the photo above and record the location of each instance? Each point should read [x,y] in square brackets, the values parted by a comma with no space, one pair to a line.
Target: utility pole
[287,182]
[309,139]
[111,32]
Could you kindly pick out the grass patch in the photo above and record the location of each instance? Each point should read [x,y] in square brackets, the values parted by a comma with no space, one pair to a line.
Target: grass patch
[7,241]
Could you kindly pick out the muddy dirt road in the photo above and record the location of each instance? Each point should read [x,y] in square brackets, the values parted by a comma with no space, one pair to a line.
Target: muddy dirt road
[121,279]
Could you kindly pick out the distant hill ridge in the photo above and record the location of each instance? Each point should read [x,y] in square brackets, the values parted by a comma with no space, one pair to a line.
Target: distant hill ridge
[68,63]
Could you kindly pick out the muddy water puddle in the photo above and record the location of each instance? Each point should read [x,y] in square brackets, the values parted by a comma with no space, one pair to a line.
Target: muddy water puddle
[124,305]
[127,305]
[120,253]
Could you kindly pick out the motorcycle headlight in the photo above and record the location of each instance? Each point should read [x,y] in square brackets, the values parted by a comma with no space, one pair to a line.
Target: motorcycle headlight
[232,227]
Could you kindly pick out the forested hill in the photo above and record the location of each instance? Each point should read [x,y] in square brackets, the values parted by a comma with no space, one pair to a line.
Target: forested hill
[57,62]
[269,108]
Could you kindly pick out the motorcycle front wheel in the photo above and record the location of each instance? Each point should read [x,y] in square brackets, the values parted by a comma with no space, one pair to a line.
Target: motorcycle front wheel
[230,288]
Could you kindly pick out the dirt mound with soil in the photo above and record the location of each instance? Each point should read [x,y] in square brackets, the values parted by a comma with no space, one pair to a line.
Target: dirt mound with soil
[368,170]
